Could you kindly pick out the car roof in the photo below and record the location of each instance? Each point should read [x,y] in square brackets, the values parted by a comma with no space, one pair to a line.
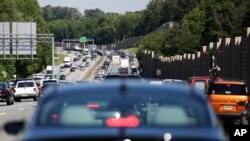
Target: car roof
[200,77]
[125,86]
[26,81]
[229,82]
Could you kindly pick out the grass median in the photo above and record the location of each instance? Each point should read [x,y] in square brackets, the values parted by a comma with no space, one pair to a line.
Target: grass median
[59,59]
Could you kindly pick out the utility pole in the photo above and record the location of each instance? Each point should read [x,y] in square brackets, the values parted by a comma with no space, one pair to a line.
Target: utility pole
[53,56]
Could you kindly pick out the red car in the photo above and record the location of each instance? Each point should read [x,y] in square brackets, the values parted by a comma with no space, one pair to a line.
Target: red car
[201,82]
[6,94]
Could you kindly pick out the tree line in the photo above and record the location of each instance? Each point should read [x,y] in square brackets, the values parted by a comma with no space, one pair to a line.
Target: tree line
[202,22]
[199,22]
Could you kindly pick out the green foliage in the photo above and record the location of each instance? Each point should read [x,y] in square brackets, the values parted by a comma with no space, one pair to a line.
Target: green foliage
[54,13]
[202,21]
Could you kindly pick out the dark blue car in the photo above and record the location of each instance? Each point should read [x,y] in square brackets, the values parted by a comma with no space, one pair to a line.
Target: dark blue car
[121,111]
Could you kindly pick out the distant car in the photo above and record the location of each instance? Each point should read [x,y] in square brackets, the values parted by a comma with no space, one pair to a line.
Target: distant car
[62,77]
[132,65]
[101,72]
[120,111]
[6,94]
[123,71]
[84,59]
[26,89]
[72,69]
[79,56]
[87,64]
[201,82]
[75,59]
[82,66]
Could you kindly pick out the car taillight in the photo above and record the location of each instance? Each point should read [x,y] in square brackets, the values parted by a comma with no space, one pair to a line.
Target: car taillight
[54,116]
[130,121]
[34,89]
[93,106]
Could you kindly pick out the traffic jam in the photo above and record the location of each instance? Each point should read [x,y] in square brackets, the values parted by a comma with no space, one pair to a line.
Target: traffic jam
[118,103]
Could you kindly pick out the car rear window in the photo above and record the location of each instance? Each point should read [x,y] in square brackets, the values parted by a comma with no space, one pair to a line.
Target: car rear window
[108,110]
[227,89]
[25,84]
[200,85]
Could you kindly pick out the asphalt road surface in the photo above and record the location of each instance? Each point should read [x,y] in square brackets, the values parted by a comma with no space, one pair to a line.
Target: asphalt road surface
[23,110]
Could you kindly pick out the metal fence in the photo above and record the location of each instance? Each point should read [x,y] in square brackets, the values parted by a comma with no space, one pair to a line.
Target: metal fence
[233,57]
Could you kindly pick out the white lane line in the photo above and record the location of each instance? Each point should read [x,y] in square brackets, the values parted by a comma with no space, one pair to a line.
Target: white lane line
[2,114]
[21,108]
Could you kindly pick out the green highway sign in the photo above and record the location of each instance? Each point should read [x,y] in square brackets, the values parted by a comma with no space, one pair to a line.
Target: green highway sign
[83,39]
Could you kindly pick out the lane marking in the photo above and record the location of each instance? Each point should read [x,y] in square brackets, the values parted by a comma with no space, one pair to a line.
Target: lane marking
[2,114]
[21,108]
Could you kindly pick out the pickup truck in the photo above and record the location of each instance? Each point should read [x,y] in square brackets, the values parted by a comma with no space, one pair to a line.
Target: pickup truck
[25,90]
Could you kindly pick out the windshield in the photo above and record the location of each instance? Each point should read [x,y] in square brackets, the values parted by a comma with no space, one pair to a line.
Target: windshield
[99,110]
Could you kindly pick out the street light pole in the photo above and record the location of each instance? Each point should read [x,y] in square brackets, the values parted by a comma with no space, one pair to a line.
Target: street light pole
[66,31]
[53,57]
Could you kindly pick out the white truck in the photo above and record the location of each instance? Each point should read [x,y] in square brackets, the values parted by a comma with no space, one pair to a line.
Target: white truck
[49,70]
[67,62]
[124,63]
[38,78]
[26,89]
[116,59]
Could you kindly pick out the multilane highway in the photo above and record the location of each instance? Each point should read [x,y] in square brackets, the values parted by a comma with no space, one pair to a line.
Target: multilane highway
[23,110]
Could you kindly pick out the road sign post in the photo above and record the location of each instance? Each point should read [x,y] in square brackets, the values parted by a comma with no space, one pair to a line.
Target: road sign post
[83,40]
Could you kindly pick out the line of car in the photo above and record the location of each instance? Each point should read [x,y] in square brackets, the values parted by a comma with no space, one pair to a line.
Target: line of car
[229,98]
[120,110]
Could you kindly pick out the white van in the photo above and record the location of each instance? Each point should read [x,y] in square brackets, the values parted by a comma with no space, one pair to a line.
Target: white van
[38,78]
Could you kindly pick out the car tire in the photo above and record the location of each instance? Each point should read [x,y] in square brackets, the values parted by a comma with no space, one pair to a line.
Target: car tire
[35,98]
[8,102]
[17,99]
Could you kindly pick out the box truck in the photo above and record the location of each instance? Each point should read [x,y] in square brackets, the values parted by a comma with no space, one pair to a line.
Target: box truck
[67,62]
[124,63]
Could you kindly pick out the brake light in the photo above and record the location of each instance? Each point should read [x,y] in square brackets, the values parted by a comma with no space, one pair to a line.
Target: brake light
[93,106]
[34,89]
[130,121]
[54,116]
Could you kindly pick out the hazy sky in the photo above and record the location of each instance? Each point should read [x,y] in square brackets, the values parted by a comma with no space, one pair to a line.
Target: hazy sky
[118,6]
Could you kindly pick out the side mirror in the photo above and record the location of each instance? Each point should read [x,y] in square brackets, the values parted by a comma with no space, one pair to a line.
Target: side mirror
[14,127]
